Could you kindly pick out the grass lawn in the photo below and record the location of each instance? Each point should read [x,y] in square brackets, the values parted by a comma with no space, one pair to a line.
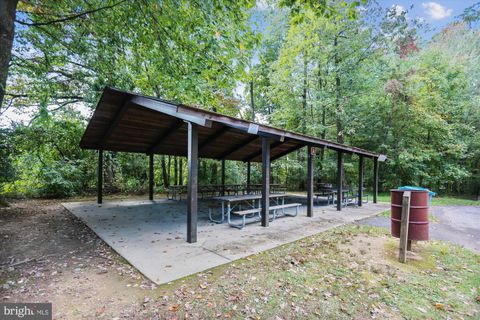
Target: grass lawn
[438,200]
[348,272]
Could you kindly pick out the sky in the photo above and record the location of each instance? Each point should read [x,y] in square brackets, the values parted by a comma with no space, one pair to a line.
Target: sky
[437,14]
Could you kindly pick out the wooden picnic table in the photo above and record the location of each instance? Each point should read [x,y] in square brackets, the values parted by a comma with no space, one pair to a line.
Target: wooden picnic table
[330,193]
[175,192]
[249,199]
[274,188]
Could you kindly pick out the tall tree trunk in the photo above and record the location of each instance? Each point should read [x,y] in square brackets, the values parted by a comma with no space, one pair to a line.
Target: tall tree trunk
[252,101]
[304,94]
[213,174]
[175,170]
[323,133]
[109,173]
[7,33]
[338,105]
[180,172]
[166,183]
[169,163]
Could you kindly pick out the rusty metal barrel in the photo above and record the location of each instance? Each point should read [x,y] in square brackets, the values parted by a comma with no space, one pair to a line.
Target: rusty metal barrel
[418,221]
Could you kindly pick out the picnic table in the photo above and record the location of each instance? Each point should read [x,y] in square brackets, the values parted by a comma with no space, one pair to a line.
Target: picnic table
[331,192]
[175,192]
[274,188]
[345,196]
[249,200]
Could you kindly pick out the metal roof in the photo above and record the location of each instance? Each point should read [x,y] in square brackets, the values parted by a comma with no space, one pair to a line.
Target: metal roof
[129,122]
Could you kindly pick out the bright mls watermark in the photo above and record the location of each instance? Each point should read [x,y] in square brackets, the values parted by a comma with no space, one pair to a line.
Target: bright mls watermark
[26,311]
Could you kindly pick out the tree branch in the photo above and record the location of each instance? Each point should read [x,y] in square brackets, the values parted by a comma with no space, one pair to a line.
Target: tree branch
[14,95]
[71,17]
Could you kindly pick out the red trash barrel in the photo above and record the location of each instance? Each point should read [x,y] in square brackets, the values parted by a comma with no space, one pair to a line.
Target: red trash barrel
[418,221]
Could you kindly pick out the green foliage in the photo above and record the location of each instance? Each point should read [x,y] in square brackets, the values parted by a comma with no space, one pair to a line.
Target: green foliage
[6,169]
[328,9]
[192,51]
[346,80]
[46,159]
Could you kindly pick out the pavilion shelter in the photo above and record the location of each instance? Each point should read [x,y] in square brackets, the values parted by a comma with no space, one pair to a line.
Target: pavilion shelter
[129,122]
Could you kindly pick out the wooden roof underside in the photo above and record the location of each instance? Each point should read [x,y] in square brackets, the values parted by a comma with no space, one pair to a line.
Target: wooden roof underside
[128,122]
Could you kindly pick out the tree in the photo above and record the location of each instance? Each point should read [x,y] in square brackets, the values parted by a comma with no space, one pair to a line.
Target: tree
[192,52]
[66,52]
[7,32]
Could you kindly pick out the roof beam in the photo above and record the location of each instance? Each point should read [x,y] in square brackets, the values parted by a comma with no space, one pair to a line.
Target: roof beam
[238,146]
[259,153]
[214,136]
[165,134]
[287,151]
[171,110]
[116,120]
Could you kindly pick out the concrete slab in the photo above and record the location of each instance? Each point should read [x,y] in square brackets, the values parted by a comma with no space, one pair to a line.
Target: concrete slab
[151,235]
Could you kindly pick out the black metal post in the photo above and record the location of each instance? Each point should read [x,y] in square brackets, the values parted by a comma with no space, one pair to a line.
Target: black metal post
[249,169]
[100,177]
[360,180]
[192,197]
[375,179]
[310,151]
[223,177]
[150,177]
[265,181]
[339,180]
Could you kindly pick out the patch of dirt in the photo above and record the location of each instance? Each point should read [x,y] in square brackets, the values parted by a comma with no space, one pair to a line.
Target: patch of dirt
[49,255]
[381,252]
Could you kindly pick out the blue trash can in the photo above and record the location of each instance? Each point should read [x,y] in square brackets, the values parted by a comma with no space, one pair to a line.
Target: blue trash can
[430,193]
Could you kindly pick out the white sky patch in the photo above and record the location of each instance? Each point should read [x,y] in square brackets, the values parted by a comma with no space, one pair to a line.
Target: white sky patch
[24,115]
[398,9]
[436,11]
[262,5]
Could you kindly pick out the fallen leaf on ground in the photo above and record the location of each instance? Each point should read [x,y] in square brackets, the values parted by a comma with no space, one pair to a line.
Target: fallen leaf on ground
[99,311]
[174,308]
[439,306]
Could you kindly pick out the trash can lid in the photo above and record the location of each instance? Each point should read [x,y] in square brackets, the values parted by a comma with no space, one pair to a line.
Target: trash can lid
[411,188]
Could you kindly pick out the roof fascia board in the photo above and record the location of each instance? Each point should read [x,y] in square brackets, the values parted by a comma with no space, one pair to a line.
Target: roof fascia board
[171,110]
[188,113]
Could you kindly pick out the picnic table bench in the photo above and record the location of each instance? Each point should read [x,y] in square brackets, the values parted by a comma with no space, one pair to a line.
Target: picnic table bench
[274,209]
[233,202]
